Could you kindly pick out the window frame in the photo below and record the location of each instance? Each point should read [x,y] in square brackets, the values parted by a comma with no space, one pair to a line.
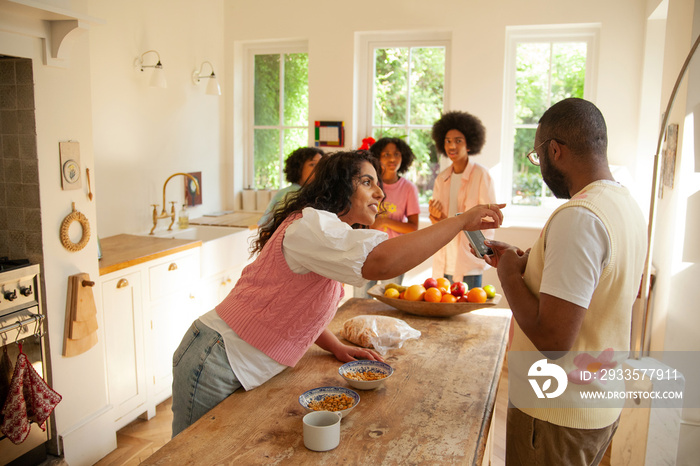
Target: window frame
[279,48]
[366,45]
[586,32]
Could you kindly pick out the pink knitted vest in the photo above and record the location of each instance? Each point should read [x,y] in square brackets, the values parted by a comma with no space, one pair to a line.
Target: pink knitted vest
[277,311]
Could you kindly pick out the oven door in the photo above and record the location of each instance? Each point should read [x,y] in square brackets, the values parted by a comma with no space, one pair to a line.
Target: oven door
[29,336]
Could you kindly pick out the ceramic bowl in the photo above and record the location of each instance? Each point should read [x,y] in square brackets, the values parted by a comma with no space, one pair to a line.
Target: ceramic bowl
[319,394]
[356,368]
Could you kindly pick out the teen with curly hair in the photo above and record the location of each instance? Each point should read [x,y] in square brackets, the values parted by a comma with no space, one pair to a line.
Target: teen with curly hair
[285,299]
[401,206]
[298,168]
[461,186]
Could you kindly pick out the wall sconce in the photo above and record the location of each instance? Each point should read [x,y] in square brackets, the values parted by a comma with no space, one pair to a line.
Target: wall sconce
[213,86]
[158,76]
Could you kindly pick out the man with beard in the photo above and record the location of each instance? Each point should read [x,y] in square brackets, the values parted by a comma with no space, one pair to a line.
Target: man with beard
[573,292]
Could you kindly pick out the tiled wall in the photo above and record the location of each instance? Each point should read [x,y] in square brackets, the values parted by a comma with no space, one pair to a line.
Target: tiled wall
[20,211]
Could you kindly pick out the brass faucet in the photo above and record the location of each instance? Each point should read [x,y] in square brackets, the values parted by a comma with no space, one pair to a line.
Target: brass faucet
[164,213]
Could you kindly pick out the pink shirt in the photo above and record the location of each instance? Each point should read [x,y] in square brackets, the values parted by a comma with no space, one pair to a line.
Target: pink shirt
[477,187]
[401,201]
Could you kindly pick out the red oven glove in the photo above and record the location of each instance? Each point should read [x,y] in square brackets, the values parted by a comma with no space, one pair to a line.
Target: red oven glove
[30,399]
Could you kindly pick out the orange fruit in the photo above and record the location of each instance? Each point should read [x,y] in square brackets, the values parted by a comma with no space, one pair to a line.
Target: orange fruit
[444,290]
[433,295]
[392,293]
[443,283]
[448,298]
[414,293]
[476,295]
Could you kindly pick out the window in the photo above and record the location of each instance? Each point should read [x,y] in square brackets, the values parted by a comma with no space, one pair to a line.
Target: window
[406,91]
[280,113]
[543,67]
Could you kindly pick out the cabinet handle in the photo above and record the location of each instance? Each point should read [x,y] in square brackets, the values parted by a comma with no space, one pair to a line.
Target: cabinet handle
[122,283]
[228,280]
[173,266]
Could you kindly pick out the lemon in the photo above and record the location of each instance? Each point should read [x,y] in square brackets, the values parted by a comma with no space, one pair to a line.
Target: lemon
[392,293]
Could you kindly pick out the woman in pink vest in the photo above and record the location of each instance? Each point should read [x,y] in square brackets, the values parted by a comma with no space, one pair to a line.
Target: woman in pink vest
[285,299]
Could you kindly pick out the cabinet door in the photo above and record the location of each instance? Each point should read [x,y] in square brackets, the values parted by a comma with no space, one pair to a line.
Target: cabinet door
[173,285]
[122,303]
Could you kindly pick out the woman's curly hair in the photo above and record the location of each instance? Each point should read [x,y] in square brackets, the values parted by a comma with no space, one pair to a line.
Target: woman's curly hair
[335,180]
[294,164]
[467,124]
[407,155]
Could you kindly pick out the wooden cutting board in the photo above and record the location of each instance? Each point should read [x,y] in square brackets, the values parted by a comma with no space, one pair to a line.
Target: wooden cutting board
[80,332]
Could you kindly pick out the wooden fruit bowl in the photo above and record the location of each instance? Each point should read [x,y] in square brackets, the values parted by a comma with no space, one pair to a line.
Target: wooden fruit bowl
[424,308]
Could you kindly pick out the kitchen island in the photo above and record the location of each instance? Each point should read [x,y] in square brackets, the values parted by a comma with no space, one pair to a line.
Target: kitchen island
[435,409]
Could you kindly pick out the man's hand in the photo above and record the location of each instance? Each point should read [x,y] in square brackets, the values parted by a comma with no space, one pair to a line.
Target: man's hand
[435,210]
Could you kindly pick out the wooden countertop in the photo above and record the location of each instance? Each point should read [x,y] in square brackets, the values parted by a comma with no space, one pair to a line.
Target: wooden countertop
[436,408]
[235,219]
[122,251]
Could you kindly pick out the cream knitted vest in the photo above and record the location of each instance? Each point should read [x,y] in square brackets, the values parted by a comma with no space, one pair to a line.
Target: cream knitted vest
[607,323]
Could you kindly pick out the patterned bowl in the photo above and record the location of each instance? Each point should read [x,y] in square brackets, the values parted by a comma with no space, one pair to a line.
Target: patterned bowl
[351,371]
[316,395]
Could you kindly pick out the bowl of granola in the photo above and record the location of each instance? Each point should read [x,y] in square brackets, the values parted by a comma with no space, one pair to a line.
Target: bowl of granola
[337,399]
[365,374]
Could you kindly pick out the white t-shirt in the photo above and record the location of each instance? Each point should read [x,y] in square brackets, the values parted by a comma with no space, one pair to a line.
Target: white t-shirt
[453,246]
[576,236]
[317,242]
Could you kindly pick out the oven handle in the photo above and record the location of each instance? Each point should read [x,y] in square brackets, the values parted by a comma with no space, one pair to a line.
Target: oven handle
[37,318]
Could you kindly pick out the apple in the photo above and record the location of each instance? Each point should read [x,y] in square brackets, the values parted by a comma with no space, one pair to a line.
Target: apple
[462,299]
[458,289]
[430,283]
[490,291]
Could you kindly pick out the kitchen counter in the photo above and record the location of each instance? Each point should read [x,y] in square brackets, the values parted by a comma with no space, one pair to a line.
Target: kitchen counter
[122,251]
[234,219]
[435,409]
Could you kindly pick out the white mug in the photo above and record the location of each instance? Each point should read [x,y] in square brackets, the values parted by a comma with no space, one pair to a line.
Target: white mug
[322,430]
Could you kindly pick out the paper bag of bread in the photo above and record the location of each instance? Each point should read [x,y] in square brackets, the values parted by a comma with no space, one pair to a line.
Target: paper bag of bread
[379,332]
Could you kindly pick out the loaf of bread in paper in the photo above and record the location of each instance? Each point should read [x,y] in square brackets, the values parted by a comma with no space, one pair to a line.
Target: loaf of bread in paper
[362,330]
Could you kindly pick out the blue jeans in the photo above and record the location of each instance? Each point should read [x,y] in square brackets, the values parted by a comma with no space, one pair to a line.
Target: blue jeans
[472,281]
[202,375]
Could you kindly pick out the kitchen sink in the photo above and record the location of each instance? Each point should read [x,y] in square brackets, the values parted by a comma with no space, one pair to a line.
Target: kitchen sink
[222,247]
[203,233]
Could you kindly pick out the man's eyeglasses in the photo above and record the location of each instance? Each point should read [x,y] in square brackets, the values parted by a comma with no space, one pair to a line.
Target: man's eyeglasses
[534,157]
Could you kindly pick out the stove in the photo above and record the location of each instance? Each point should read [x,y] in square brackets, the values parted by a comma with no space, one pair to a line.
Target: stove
[22,322]
[9,264]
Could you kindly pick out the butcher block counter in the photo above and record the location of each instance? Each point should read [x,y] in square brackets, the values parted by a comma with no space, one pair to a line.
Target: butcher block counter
[122,251]
[435,409]
[232,219]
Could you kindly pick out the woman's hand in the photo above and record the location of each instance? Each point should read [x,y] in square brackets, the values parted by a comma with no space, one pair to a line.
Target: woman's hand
[476,217]
[346,353]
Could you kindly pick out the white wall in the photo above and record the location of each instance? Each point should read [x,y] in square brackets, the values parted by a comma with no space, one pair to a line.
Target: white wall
[143,135]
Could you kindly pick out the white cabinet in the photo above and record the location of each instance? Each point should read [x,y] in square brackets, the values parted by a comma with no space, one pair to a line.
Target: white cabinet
[173,305]
[122,302]
[148,308]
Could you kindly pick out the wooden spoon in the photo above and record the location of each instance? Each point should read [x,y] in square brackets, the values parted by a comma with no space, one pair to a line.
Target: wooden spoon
[87,172]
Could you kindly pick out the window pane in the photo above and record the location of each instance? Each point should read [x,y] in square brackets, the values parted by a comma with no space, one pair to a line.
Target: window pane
[296,89]
[425,167]
[568,70]
[294,138]
[390,86]
[267,90]
[427,84]
[531,82]
[378,133]
[267,158]
[527,179]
